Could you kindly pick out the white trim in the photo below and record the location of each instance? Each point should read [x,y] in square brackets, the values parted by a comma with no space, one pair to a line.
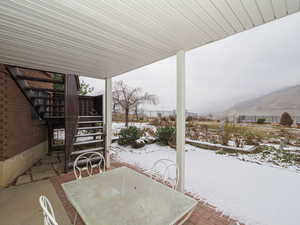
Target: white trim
[108,119]
[180,119]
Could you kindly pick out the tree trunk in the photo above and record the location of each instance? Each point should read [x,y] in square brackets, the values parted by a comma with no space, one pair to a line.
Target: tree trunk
[136,112]
[126,117]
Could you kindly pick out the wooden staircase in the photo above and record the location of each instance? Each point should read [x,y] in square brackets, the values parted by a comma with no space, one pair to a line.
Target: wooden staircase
[46,102]
[89,137]
[60,105]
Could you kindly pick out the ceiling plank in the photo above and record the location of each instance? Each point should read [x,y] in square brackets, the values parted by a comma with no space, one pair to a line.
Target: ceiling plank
[292,6]
[280,9]
[266,9]
[214,12]
[105,38]
[229,15]
[240,11]
[252,9]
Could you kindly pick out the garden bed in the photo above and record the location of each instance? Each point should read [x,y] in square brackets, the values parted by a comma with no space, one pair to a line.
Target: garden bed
[211,146]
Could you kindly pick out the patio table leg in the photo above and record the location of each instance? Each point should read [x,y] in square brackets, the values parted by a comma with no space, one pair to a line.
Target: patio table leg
[186,217]
[75,219]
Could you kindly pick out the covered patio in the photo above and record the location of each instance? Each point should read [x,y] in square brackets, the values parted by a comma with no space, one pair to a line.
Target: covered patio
[49,183]
[104,39]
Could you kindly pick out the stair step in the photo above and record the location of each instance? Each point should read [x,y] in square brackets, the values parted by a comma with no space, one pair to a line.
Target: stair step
[82,162]
[89,128]
[44,89]
[53,117]
[52,111]
[87,142]
[89,116]
[89,134]
[40,79]
[48,98]
[83,122]
[53,105]
[87,150]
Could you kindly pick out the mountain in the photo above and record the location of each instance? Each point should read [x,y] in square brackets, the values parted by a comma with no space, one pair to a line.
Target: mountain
[275,103]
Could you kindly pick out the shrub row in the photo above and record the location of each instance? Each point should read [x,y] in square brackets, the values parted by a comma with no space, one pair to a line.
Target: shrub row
[133,136]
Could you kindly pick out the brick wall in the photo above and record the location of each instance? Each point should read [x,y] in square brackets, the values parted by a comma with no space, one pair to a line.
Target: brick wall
[18,132]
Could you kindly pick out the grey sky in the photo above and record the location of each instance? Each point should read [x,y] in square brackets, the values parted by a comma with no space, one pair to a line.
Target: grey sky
[225,72]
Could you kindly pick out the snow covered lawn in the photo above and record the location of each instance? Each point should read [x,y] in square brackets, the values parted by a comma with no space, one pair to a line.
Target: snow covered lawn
[253,194]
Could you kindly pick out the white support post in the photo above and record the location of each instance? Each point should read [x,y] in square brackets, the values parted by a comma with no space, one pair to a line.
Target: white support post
[108,119]
[180,119]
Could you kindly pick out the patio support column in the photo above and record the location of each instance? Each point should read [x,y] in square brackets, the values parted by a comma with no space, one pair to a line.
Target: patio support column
[108,119]
[180,119]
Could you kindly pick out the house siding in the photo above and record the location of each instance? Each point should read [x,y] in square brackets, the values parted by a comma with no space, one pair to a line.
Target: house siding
[18,131]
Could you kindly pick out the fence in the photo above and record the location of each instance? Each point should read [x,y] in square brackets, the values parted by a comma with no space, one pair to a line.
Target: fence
[164,113]
[268,118]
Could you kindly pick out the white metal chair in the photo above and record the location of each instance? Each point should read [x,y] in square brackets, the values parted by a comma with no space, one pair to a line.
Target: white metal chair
[49,217]
[91,161]
[162,169]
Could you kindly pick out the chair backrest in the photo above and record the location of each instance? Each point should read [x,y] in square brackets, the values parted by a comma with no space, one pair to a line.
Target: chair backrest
[162,169]
[90,162]
[167,177]
[49,217]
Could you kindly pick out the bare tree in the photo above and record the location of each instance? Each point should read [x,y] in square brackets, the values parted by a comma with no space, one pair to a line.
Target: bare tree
[129,98]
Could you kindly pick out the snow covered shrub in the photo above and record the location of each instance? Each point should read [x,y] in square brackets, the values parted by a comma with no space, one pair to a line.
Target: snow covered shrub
[129,135]
[261,121]
[172,118]
[286,135]
[286,119]
[189,118]
[138,143]
[148,135]
[250,139]
[165,135]
[155,122]
[224,138]
[147,131]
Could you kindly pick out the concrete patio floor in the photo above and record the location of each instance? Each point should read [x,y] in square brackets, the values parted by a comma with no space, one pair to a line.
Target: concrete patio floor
[47,167]
[19,203]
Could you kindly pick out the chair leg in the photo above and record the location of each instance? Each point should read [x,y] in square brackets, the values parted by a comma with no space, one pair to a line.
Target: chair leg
[75,219]
[186,217]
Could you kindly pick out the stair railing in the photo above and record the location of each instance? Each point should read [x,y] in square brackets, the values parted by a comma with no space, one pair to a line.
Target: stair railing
[14,72]
[71,114]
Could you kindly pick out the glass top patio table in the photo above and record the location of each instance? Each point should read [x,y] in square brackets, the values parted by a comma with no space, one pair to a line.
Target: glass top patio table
[124,197]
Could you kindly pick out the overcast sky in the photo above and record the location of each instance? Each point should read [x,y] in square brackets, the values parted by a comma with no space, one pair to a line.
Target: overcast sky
[228,71]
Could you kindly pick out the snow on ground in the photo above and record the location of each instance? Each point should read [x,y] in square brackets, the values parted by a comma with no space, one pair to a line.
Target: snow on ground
[231,145]
[286,148]
[272,160]
[253,194]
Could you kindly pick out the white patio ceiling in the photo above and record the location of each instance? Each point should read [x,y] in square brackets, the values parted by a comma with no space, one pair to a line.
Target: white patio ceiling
[104,38]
